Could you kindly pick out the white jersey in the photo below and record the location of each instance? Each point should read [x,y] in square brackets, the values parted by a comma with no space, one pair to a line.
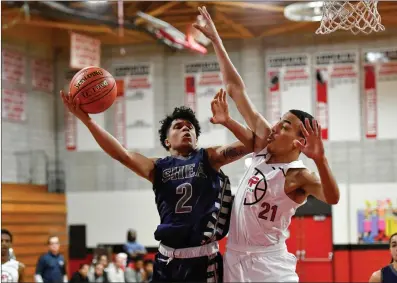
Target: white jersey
[9,271]
[262,211]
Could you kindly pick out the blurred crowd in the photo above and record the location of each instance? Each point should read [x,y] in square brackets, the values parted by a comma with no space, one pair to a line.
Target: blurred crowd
[128,266]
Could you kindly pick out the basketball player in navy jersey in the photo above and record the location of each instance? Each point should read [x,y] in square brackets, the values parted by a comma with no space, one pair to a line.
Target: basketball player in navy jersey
[275,184]
[193,196]
[388,274]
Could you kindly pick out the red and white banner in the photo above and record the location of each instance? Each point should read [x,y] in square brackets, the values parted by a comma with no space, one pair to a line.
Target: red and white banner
[138,121]
[13,66]
[84,51]
[274,97]
[370,102]
[120,114]
[202,82]
[380,84]
[338,95]
[13,105]
[70,131]
[42,75]
[288,84]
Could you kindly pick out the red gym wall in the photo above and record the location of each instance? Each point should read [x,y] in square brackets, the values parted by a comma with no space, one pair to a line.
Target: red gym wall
[313,234]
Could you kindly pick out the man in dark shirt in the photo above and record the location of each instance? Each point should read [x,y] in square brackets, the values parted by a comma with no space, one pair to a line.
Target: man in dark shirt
[51,267]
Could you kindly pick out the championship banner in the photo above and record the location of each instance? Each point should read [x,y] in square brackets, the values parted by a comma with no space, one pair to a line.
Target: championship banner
[338,95]
[70,119]
[13,66]
[13,105]
[70,131]
[380,84]
[273,105]
[137,114]
[119,113]
[84,51]
[202,82]
[288,84]
[42,75]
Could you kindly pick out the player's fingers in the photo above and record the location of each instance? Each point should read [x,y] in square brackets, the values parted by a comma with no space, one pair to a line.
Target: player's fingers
[212,120]
[69,98]
[201,11]
[319,132]
[207,14]
[315,127]
[217,95]
[308,126]
[224,97]
[304,131]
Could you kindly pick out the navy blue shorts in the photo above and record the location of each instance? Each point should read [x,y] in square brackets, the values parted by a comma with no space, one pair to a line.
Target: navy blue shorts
[199,269]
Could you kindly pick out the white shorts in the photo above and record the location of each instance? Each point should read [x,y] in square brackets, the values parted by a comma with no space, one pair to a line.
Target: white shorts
[274,265]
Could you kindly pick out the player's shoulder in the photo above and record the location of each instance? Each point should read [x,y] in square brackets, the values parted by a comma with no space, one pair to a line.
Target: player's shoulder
[376,277]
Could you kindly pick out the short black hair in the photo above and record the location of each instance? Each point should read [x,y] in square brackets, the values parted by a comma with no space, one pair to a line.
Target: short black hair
[184,113]
[6,232]
[138,258]
[82,265]
[148,261]
[302,115]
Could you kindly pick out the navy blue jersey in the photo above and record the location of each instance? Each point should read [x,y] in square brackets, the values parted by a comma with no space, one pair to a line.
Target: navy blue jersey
[193,200]
[389,274]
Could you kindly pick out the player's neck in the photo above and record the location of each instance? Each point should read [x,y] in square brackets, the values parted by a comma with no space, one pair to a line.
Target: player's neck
[181,152]
[285,158]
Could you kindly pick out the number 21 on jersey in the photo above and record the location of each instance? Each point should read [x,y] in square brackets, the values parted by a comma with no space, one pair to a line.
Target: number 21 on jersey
[264,214]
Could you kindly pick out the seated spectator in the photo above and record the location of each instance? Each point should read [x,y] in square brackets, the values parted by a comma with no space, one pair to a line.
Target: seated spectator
[135,272]
[132,247]
[116,270]
[98,275]
[103,260]
[81,275]
[148,268]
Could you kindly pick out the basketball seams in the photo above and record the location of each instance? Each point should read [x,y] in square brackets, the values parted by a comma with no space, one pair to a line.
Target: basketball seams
[90,84]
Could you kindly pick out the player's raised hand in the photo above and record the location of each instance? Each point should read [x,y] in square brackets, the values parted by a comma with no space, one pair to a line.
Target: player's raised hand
[74,106]
[209,30]
[314,147]
[220,108]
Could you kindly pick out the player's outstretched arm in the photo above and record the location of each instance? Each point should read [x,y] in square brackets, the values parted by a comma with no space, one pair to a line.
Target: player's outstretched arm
[138,163]
[235,85]
[326,189]
[375,277]
[222,155]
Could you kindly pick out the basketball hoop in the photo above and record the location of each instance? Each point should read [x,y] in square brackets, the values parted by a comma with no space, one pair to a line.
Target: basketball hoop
[356,16]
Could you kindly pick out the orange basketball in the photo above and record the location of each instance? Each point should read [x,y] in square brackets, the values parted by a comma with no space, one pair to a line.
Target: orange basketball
[96,89]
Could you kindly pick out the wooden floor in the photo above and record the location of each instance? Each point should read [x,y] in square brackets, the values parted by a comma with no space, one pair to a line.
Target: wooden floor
[31,214]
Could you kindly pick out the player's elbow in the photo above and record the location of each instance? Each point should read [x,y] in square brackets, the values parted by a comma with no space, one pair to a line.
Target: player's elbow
[334,199]
[235,89]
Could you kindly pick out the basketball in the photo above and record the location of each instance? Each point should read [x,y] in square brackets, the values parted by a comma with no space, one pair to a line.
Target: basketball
[96,89]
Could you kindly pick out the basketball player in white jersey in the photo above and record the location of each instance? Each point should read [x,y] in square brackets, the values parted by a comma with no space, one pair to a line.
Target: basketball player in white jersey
[11,270]
[276,183]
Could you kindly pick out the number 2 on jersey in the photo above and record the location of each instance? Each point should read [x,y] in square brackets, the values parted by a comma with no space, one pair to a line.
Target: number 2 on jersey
[263,213]
[186,190]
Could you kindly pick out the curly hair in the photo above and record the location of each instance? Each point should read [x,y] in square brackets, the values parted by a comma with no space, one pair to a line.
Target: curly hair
[183,113]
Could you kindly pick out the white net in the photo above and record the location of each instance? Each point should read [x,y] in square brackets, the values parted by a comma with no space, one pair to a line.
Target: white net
[356,16]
